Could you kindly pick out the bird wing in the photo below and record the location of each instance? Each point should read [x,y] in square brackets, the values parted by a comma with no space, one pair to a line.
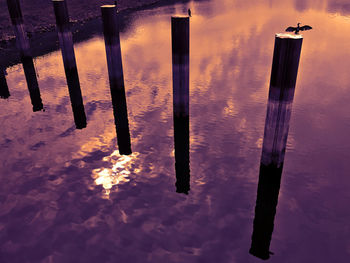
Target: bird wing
[291,29]
[306,27]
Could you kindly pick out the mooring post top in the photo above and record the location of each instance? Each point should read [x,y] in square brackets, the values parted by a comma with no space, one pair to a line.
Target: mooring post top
[289,35]
[180,20]
[108,10]
[180,17]
[59,2]
[110,24]
[108,6]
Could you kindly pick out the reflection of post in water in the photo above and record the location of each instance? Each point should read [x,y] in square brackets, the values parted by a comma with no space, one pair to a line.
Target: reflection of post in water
[26,57]
[70,66]
[116,77]
[32,82]
[4,89]
[282,86]
[180,53]
[182,153]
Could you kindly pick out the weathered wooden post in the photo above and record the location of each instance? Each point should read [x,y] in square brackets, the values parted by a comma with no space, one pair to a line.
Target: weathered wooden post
[25,54]
[18,25]
[116,77]
[180,55]
[4,89]
[180,37]
[66,43]
[282,86]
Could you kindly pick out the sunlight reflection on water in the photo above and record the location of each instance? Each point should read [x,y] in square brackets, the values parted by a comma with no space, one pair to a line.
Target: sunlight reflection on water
[118,173]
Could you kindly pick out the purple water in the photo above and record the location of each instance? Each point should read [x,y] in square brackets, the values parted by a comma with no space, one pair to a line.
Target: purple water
[68,196]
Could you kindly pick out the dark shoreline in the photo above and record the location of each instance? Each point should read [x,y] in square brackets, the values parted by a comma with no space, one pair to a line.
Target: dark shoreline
[46,41]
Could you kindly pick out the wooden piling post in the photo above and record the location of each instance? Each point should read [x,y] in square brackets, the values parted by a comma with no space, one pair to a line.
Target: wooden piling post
[180,60]
[67,47]
[18,25]
[116,77]
[25,54]
[282,86]
[180,55]
[4,90]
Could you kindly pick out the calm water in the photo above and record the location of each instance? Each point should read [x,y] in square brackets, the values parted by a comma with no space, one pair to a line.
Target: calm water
[68,196]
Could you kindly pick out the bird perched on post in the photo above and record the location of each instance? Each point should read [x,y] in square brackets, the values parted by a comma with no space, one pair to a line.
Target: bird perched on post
[298,28]
[189,12]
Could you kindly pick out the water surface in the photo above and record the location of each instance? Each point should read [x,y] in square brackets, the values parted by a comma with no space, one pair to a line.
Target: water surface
[68,196]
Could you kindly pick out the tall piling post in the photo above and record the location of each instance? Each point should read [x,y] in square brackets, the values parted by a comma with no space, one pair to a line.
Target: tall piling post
[70,67]
[4,90]
[18,26]
[116,77]
[180,37]
[282,86]
[23,46]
